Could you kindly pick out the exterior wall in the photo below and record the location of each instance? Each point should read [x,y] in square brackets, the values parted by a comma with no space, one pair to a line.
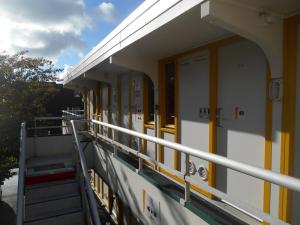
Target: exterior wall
[49,146]
[241,116]
[241,86]
[130,186]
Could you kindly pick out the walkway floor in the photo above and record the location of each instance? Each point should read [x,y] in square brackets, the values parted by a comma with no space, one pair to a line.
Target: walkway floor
[9,197]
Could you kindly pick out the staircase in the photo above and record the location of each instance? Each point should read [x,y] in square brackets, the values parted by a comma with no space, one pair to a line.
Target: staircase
[53,199]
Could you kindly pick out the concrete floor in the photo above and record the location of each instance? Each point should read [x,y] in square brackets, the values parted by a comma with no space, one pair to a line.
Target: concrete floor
[9,200]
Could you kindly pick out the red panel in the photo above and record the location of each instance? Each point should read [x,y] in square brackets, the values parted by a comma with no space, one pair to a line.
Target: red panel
[30,180]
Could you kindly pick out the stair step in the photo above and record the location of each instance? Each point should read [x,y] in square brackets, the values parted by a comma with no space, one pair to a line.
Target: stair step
[52,208]
[49,176]
[68,218]
[48,192]
[51,183]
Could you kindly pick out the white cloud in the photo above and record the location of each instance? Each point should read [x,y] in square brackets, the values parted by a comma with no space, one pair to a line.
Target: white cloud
[66,70]
[107,11]
[44,28]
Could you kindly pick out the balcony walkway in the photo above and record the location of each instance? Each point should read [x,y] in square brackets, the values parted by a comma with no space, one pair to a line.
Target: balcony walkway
[215,209]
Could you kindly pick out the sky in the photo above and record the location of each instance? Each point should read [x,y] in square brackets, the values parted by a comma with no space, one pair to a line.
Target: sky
[60,30]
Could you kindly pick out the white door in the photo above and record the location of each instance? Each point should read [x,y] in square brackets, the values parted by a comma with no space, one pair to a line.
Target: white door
[241,131]
[105,111]
[194,105]
[136,108]
[125,107]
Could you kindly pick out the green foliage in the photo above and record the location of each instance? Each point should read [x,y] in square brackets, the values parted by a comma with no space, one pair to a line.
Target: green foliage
[7,162]
[25,85]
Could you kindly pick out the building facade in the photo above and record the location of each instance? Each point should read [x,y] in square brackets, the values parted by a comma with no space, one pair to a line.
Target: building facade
[220,76]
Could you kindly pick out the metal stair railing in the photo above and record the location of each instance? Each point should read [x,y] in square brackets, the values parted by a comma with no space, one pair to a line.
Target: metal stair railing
[257,172]
[87,184]
[72,114]
[20,195]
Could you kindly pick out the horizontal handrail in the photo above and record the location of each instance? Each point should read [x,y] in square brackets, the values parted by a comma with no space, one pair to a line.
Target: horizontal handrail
[244,207]
[20,194]
[90,193]
[46,127]
[72,114]
[267,175]
[74,110]
[48,118]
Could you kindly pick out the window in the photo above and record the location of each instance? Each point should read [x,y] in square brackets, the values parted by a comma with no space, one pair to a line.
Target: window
[169,89]
[149,100]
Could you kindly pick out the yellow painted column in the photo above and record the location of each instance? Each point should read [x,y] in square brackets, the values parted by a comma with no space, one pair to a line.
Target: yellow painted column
[213,100]
[288,111]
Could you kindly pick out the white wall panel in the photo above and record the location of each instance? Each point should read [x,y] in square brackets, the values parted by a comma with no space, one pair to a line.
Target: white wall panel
[168,152]
[150,145]
[105,116]
[193,98]
[241,96]
[125,106]
[137,107]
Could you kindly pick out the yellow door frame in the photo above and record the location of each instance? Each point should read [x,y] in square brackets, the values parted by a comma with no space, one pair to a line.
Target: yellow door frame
[213,104]
[213,47]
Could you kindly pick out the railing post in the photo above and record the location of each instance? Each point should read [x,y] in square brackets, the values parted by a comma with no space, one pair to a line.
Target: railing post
[114,139]
[187,185]
[34,139]
[21,197]
[141,162]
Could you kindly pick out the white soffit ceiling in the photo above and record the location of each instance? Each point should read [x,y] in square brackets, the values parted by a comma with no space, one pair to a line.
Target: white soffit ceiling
[183,33]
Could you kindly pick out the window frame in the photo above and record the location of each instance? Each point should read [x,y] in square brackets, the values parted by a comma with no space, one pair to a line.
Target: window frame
[147,109]
[164,126]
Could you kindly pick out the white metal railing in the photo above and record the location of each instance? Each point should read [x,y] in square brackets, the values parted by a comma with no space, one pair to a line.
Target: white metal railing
[46,126]
[49,128]
[87,184]
[260,173]
[70,114]
[21,178]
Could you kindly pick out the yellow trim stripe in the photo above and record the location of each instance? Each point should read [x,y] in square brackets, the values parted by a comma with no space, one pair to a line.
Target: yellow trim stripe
[177,154]
[213,99]
[268,144]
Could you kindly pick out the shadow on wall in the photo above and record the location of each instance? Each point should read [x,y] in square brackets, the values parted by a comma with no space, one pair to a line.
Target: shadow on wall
[112,178]
[126,193]
[7,214]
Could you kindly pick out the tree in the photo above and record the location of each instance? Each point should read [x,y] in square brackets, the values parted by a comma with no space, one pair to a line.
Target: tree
[25,86]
